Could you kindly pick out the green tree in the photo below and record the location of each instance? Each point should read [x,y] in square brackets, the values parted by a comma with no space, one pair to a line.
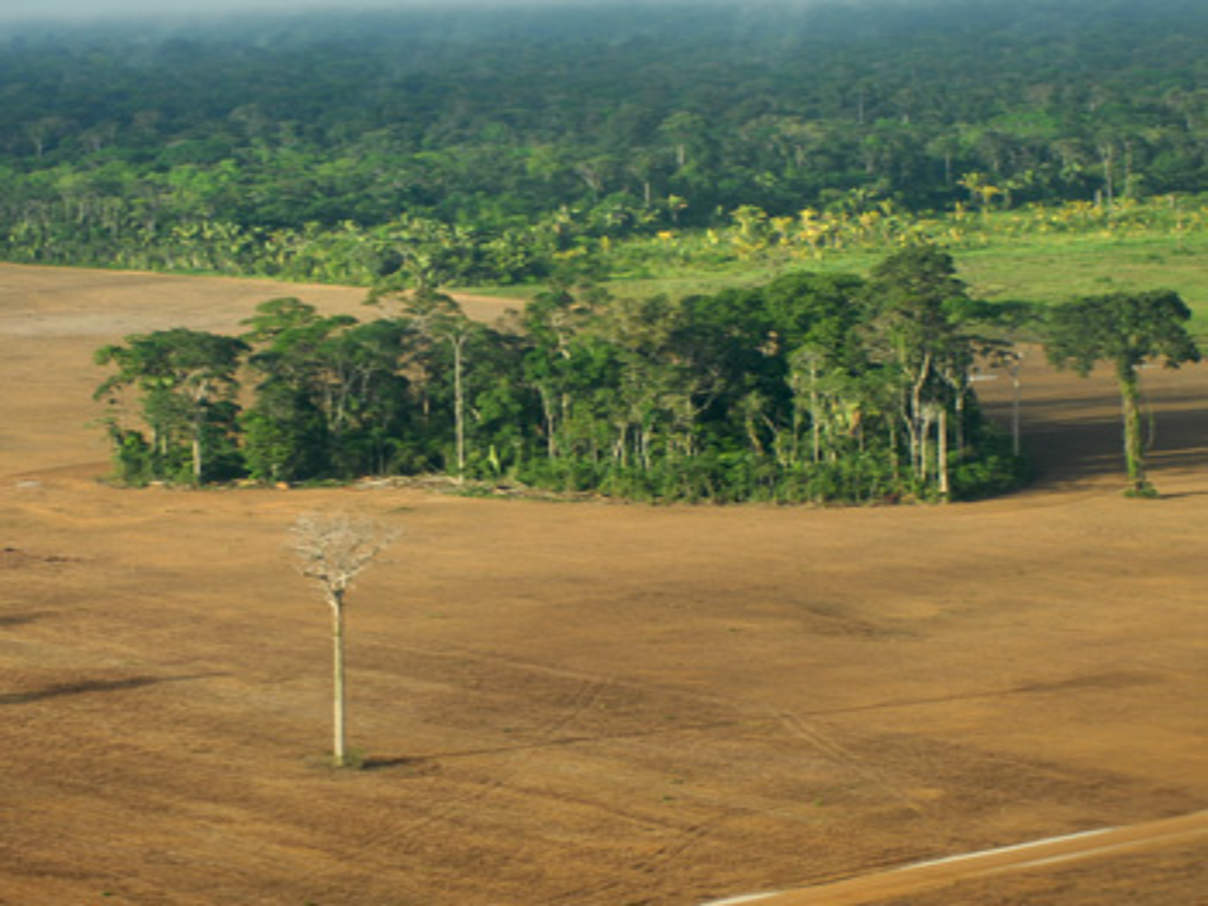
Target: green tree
[187,380]
[553,322]
[1123,330]
[914,293]
[439,320]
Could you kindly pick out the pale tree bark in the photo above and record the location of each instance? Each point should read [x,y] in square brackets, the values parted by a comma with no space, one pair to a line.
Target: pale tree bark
[919,423]
[459,406]
[197,455]
[924,431]
[941,453]
[339,734]
[332,550]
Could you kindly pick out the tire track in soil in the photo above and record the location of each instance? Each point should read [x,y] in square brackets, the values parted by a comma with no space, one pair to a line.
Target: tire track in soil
[588,692]
[652,864]
[845,758]
[386,842]
[918,877]
[591,688]
[469,791]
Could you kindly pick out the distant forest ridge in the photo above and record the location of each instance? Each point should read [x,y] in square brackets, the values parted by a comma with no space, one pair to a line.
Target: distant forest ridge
[593,119]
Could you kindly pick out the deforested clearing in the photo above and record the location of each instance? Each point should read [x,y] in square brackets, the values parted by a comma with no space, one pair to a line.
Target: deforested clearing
[589,703]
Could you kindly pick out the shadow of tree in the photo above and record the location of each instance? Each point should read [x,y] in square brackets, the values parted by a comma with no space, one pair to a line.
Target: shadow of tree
[85,686]
[20,619]
[412,766]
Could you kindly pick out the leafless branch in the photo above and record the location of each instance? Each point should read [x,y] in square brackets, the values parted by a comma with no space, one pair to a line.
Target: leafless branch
[333,548]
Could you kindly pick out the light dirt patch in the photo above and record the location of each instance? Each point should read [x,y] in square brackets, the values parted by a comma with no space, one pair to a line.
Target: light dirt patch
[581,703]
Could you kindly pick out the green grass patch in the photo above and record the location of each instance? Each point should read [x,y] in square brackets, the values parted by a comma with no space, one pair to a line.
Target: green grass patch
[1051,270]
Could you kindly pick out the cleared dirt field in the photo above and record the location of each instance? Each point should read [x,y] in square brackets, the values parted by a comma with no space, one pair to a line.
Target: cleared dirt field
[590,703]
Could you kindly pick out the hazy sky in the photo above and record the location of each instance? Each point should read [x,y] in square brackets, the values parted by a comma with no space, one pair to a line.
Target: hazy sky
[83,10]
[107,9]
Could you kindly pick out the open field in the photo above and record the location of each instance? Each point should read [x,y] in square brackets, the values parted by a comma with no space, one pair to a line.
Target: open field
[590,703]
[1051,269]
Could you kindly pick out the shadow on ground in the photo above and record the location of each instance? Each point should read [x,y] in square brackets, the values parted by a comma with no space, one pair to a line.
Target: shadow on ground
[86,686]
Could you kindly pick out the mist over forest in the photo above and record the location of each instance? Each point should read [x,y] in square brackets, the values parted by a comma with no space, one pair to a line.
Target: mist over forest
[533,127]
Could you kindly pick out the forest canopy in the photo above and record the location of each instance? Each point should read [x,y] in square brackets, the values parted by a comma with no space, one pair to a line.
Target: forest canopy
[811,388]
[507,136]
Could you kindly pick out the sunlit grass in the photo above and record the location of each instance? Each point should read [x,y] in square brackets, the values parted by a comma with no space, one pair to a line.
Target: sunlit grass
[1035,253]
[1052,270]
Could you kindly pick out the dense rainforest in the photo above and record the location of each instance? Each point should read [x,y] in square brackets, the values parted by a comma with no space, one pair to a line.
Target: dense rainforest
[811,388]
[484,145]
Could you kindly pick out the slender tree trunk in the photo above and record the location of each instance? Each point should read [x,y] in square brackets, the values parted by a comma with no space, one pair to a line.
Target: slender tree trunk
[918,424]
[339,757]
[815,421]
[912,442]
[893,448]
[459,409]
[941,452]
[1134,459]
[197,428]
[921,468]
[197,456]
[547,404]
[1015,410]
[959,428]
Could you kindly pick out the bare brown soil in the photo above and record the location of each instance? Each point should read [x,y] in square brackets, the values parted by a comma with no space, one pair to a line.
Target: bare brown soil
[587,703]
[1176,836]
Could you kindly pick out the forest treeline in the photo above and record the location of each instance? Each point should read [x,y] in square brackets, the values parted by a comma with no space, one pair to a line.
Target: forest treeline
[811,388]
[485,144]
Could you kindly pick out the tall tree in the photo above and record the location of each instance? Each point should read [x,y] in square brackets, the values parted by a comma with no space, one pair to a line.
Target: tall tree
[915,293]
[552,322]
[438,318]
[184,376]
[1123,330]
[332,550]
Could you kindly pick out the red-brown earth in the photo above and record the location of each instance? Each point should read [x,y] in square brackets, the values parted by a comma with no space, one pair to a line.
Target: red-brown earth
[584,703]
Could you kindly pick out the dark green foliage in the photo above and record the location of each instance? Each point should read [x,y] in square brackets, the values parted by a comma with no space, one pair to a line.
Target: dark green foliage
[285,437]
[353,146]
[187,383]
[812,389]
[133,458]
[992,469]
[1123,330]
